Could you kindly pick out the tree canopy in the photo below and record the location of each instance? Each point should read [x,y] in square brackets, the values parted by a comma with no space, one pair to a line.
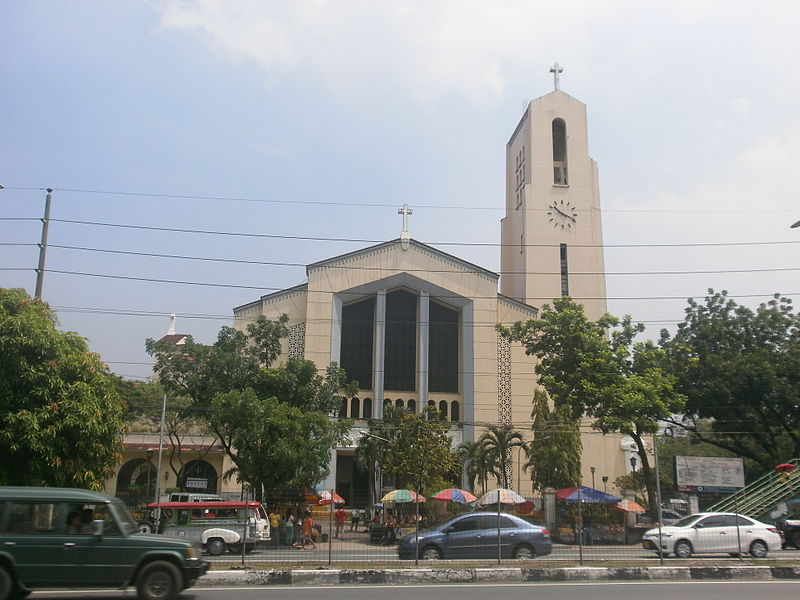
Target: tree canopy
[595,368]
[554,454]
[740,370]
[275,423]
[60,415]
[420,451]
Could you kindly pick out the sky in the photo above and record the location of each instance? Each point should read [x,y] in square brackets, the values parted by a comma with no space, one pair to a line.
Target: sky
[277,134]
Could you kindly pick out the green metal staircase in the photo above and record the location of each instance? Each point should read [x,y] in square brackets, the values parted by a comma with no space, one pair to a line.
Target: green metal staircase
[758,498]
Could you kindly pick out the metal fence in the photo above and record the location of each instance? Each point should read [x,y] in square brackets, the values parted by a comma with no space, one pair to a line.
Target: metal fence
[601,537]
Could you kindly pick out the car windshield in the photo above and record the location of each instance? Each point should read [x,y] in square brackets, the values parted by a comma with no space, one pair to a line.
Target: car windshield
[685,521]
[126,522]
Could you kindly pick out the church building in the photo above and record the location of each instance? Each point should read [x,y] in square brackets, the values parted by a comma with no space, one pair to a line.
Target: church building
[416,325]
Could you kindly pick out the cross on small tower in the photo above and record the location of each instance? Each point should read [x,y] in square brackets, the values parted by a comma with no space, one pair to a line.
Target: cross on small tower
[556,70]
[405,236]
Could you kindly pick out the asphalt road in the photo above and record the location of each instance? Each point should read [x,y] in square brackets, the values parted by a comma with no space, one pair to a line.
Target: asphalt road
[712,590]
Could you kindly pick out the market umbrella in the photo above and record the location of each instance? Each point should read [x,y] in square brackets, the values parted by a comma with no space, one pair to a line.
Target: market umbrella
[454,495]
[630,506]
[325,498]
[585,495]
[400,496]
[500,496]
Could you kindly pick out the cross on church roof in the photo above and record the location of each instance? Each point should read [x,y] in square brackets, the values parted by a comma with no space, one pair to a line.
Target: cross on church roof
[405,236]
[556,70]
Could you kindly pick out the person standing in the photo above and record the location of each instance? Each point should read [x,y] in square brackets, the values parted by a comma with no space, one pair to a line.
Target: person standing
[275,527]
[288,537]
[355,518]
[339,515]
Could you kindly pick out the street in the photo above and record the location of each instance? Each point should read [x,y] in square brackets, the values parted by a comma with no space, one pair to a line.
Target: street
[713,590]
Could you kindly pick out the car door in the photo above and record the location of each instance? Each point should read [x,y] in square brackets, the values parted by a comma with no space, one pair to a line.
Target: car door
[31,534]
[96,557]
[508,535]
[710,535]
[460,538]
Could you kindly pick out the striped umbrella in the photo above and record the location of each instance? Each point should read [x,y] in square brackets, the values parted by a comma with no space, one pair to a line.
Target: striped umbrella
[400,496]
[501,496]
[454,495]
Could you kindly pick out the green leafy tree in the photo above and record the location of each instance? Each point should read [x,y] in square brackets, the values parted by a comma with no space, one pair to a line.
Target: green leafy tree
[498,442]
[231,377]
[60,415]
[740,372]
[420,451]
[554,455]
[277,444]
[594,368]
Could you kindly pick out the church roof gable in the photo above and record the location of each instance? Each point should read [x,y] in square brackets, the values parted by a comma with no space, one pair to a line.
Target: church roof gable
[468,266]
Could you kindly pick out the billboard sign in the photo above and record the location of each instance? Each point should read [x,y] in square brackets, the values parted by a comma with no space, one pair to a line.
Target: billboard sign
[709,474]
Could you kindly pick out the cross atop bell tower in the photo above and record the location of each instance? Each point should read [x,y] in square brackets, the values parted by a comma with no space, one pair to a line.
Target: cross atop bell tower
[556,70]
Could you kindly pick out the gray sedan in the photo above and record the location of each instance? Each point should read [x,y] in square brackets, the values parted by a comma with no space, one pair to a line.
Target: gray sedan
[475,535]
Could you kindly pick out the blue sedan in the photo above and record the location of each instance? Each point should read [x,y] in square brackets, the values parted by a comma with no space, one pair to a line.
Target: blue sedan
[474,535]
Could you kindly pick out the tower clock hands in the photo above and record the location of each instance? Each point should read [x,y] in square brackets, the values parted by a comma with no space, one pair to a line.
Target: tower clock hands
[561,212]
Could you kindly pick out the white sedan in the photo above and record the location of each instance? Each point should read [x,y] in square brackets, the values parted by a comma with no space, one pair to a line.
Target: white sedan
[714,533]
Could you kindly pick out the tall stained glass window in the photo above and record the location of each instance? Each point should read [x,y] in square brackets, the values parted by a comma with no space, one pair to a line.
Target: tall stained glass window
[400,357]
[443,357]
[358,322]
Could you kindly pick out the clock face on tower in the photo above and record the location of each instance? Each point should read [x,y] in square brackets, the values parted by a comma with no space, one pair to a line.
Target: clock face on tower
[562,215]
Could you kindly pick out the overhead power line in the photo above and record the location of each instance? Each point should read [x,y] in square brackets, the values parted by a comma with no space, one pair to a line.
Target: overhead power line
[432,243]
[484,207]
[366,268]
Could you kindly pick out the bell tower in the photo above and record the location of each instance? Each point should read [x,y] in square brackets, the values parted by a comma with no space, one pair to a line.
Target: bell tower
[552,233]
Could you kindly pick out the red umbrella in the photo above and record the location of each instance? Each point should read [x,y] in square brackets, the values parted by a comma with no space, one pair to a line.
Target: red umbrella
[784,469]
[325,498]
[454,495]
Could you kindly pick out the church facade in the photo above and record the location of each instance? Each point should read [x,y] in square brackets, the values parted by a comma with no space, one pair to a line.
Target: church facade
[416,327]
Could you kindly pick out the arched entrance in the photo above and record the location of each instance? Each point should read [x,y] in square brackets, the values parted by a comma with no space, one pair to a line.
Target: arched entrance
[137,479]
[198,476]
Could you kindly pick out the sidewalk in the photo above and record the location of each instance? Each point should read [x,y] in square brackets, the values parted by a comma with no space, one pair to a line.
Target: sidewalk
[312,577]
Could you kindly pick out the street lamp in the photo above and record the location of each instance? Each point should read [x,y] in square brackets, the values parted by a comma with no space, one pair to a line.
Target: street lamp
[592,469]
[605,483]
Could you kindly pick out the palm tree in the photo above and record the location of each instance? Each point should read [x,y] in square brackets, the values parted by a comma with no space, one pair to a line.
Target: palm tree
[497,442]
[473,458]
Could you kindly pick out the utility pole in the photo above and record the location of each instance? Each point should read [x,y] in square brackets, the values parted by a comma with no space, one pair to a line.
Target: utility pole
[43,244]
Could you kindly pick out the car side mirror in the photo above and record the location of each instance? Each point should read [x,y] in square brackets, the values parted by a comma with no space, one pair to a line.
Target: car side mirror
[448,529]
[97,527]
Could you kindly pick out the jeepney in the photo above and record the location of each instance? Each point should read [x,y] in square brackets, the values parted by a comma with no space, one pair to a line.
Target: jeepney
[218,526]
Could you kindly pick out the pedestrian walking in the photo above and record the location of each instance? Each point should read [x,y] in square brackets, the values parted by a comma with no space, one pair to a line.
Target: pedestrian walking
[355,518]
[308,532]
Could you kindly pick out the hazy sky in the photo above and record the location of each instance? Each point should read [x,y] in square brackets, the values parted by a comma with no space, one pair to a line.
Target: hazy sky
[319,119]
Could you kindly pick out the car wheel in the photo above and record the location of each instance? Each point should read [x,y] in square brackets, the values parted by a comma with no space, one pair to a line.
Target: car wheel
[683,549]
[524,552]
[215,546]
[5,583]
[431,553]
[159,580]
[145,527]
[758,549]
[18,593]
